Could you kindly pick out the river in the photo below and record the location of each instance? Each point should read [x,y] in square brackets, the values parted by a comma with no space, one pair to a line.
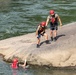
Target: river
[19,17]
[5,69]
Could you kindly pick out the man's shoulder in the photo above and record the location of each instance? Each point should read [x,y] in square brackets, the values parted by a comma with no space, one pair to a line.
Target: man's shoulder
[48,16]
[39,26]
[56,15]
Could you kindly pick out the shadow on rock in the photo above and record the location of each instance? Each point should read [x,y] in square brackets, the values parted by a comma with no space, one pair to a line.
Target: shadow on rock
[48,42]
[60,36]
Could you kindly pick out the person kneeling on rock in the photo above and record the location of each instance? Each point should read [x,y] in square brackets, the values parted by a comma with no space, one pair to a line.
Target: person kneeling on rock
[41,32]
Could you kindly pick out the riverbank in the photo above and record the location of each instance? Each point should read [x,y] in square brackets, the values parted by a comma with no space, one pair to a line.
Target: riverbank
[61,53]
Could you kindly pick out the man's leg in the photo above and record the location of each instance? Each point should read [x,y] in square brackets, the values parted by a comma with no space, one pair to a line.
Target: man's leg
[51,35]
[38,43]
[46,38]
[55,35]
[38,40]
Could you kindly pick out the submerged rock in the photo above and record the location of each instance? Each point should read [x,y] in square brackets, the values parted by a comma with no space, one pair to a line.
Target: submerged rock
[61,53]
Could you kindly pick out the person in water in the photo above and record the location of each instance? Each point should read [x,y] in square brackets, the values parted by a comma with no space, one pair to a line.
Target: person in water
[41,32]
[53,18]
[15,64]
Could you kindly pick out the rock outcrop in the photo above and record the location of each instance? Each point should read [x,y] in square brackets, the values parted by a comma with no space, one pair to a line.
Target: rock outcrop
[61,53]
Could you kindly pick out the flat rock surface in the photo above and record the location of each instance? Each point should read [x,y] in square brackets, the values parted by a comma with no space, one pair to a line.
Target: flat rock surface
[61,53]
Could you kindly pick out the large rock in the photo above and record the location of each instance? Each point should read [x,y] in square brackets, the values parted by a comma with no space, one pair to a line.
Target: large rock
[61,53]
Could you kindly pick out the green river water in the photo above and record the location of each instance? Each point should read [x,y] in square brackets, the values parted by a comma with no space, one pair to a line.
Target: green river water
[19,17]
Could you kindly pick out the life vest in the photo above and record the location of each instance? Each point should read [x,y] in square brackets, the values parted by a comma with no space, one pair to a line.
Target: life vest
[41,29]
[53,19]
[15,64]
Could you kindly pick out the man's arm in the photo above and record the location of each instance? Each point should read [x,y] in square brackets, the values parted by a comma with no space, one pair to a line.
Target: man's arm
[47,21]
[59,21]
[37,30]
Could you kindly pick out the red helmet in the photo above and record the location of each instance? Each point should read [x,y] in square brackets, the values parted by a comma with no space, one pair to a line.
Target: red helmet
[43,23]
[52,12]
[15,60]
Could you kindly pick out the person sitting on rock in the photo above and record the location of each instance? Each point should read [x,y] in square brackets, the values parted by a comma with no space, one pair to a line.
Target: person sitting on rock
[41,32]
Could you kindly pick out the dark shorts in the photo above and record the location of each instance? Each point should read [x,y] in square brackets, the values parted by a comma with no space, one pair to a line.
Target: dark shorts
[39,35]
[54,27]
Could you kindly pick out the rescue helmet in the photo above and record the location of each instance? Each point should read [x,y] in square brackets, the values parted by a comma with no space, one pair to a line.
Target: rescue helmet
[52,12]
[15,60]
[43,23]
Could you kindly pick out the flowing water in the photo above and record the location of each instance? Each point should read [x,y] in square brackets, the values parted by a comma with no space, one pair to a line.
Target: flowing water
[5,69]
[19,17]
